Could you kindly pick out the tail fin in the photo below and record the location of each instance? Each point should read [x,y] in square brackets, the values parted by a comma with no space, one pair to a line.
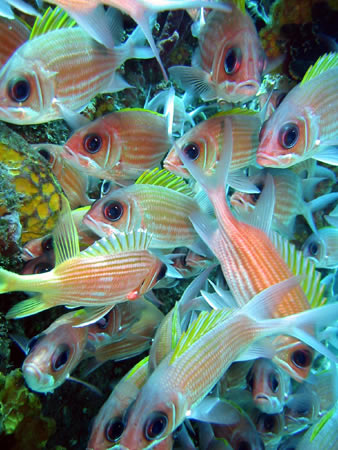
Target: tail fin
[8,281]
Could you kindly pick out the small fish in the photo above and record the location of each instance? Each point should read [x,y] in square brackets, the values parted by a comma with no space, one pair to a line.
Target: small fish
[189,263]
[289,203]
[54,354]
[88,15]
[305,124]
[158,202]
[212,342]
[322,247]
[204,145]
[111,271]
[269,385]
[6,11]
[41,264]
[107,149]
[13,34]
[230,61]
[73,182]
[59,72]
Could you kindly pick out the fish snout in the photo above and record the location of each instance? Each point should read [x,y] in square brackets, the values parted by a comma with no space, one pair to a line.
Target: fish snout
[36,379]
[248,88]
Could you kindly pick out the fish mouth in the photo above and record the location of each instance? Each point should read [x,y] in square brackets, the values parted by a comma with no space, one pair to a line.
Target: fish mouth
[27,255]
[80,162]
[36,379]
[265,160]
[176,169]
[97,227]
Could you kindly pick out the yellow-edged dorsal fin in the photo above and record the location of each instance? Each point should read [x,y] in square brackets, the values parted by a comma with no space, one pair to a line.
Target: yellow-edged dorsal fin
[299,265]
[53,19]
[322,423]
[236,111]
[65,236]
[324,63]
[164,178]
[240,4]
[205,322]
[175,326]
[119,242]
[140,365]
[141,110]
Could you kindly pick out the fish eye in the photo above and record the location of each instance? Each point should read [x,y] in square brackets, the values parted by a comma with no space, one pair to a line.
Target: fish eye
[162,272]
[273,382]
[280,98]
[45,154]
[113,211]
[114,429]
[60,357]
[301,358]
[192,151]
[232,60]
[19,89]
[288,135]
[92,143]
[155,425]
[268,421]
[42,267]
[33,342]
[47,243]
[105,187]
[243,445]
[314,249]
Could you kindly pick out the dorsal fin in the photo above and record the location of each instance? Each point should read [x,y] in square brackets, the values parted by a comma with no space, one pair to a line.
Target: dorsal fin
[119,242]
[205,322]
[141,110]
[300,265]
[322,422]
[324,63]
[240,4]
[65,235]
[164,178]
[138,366]
[53,19]
[236,111]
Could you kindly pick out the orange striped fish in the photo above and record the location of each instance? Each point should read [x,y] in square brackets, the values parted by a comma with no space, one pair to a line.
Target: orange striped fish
[204,144]
[61,71]
[158,202]
[113,270]
[249,260]
[231,59]
[13,33]
[106,148]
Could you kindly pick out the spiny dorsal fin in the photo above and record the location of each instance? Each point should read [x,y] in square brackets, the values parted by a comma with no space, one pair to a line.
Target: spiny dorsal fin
[324,63]
[119,242]
[139,365]
[141,110]
[236,111]
[65,236]
[299,265]
[322,422]
[240,4]
[175,327]
[53,19]
[205,322]
[164,178]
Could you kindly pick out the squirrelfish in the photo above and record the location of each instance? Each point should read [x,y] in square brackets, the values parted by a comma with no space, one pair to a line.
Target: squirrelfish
[54,354]
[158,202]
[61,71]
[13,34]
[322,247]
[204,144]
[106,148]
[249,260]
[269,385]
[111,271]
[181,381]
[230,62]
[305,124]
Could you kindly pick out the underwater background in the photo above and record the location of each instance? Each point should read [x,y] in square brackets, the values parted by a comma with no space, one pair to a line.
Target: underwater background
[297,32]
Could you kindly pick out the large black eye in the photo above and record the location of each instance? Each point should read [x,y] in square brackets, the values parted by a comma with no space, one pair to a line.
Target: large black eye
[42,267]
[105,187]
[302,358]
[162,272]
[114,429]
[280,98]
[155,426]
[33,342]
[273,382]
[192,151]
[19,90]
[113,211]
[243,445]
[45,154]
[232,60]
[60,357]
[47,243]
[314,248]
[268,421]
[288,135]
[92,143]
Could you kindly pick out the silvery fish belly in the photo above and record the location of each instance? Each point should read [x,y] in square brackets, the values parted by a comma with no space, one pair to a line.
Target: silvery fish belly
[61,69]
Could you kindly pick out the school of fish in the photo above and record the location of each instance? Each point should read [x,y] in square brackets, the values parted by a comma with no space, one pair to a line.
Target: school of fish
[212,182]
